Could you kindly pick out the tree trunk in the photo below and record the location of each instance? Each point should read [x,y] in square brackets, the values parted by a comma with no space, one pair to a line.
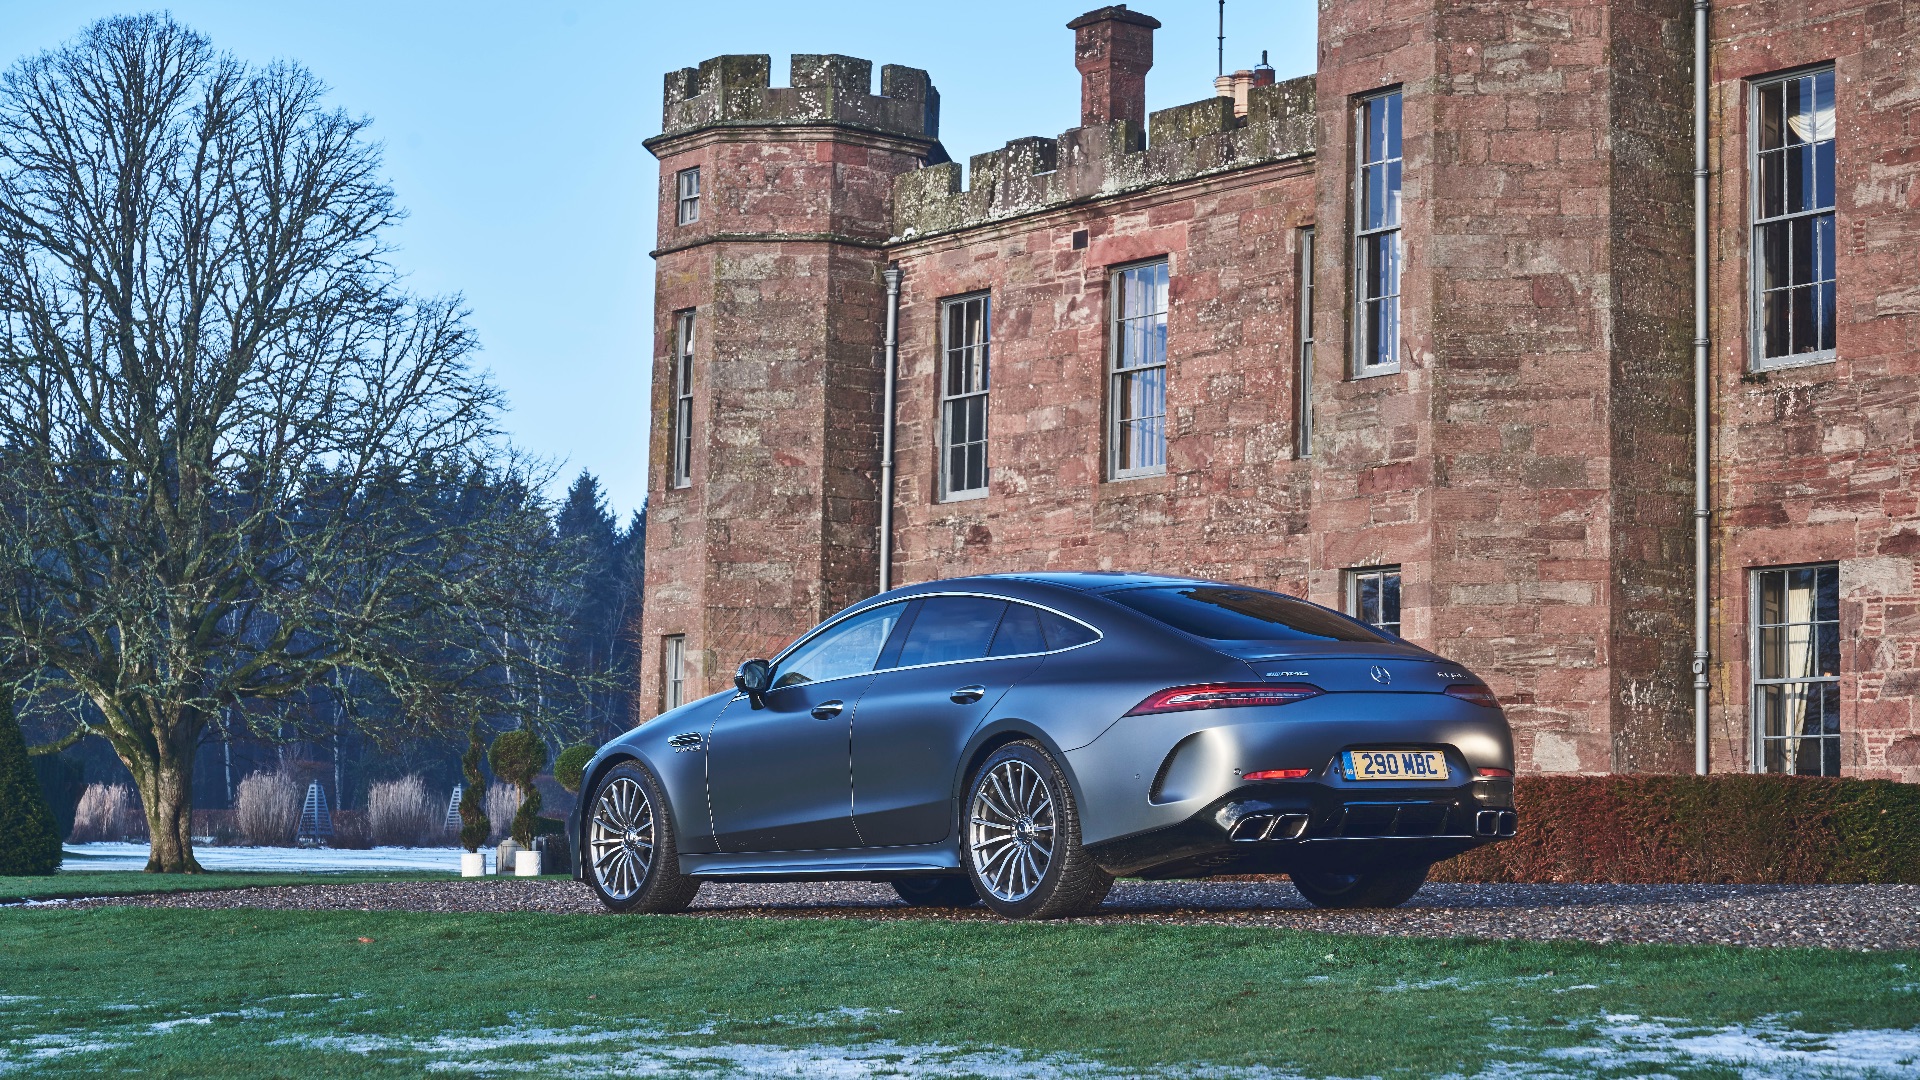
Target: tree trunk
[165,781]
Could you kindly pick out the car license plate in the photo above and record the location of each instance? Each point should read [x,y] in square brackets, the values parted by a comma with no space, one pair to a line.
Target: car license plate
[1394,764]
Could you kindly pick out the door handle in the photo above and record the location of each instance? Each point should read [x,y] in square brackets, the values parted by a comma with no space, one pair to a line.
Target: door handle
[967,695]
[827,710]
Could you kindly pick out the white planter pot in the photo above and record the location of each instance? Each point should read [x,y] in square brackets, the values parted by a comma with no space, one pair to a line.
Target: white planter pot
[504,856]
[473,864]
[526,864]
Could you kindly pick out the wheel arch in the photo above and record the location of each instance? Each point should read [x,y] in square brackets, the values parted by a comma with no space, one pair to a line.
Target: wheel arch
[992,738]
[590,783]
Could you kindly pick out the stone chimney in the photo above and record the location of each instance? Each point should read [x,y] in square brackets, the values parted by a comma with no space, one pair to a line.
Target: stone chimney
[1237,85]
[1113,48]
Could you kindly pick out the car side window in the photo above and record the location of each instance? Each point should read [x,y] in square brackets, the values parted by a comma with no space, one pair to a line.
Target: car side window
[1064,633]
[849,648]
[951,628]
[1019,632]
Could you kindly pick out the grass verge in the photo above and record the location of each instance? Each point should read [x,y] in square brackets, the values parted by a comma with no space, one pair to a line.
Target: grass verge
[266,993]
[78,884]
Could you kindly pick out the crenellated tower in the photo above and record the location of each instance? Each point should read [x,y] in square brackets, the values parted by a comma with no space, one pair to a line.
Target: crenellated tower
[775,207]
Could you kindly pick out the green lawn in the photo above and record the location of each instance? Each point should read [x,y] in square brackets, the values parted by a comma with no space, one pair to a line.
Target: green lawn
[259,993]
[81,883]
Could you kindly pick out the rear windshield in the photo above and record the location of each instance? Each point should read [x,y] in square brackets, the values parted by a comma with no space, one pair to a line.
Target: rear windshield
[1228,614]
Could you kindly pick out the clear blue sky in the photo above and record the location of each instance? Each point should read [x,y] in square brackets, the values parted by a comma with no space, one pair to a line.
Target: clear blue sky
[513,131]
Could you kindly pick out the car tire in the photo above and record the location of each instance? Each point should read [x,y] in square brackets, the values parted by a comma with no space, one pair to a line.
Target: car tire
[1380,887]
[945,891]
[631,857]
[1020,838]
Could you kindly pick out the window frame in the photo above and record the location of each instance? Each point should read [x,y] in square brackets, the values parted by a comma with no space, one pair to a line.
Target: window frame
[1756,252]
[948,400]
[1353,577]
[1360,346]
[1303,342]
[673,671]
[1118,377]
[686,190]
[905,626]
[680,426]
[1756,721]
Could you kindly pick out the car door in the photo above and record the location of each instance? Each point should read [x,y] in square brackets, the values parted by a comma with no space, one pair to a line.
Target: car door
[778,777]
[959,656]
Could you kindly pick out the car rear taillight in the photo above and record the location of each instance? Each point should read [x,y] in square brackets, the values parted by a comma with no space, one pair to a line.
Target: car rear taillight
[1223,696]
[1277,774]
[1494,774]
[1475,693]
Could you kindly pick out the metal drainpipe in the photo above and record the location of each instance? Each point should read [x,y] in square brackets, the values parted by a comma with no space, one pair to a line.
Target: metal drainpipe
[892,276]
[1702,511]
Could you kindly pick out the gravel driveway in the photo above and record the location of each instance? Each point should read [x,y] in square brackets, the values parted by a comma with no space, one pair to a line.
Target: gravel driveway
[1861,917]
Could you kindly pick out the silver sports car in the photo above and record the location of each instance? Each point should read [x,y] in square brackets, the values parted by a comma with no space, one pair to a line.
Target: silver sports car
[1022,740]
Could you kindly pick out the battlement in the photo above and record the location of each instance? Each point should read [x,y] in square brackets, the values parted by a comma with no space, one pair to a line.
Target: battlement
[736,91]
[1033,174]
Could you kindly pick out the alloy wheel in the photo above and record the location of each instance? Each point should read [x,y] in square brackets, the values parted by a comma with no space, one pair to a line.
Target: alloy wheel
[621,840]
[1011,830]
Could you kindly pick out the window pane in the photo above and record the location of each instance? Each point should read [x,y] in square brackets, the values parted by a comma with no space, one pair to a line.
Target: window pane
[1774,325]
[1368,588]
[849,648]
[1392,123]
[1800,247]
[1390,599]
[1229,614]
[1019,632]
[1799,171]
[1827,593]
[952,628]
[1823,126]
[1798,107]
[1773,184]
[1768,131]
[1064,633]
[1822,195]
[1374,198]
[1829,313]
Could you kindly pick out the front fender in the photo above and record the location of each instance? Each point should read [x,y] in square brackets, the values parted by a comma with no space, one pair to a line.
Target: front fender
[682,772]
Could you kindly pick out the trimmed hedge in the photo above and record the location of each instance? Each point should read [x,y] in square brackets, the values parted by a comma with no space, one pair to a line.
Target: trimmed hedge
[1728,829]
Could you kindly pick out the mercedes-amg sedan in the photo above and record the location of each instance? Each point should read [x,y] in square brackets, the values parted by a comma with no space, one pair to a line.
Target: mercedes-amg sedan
[1022,740]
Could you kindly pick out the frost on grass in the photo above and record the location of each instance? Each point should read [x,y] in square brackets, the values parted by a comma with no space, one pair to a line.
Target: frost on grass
[1765,1048]
[652,1051]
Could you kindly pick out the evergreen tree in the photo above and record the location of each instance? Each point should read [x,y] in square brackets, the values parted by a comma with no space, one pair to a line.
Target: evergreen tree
[29,841]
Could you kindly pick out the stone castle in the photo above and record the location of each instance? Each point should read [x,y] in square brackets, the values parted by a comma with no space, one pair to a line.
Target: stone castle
[1412,336]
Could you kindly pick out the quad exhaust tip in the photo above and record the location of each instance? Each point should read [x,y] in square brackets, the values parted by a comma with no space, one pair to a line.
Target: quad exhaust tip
[1500,823]
[1254,827]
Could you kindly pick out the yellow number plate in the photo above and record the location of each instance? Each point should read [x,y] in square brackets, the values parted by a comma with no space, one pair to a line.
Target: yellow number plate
[1394,765]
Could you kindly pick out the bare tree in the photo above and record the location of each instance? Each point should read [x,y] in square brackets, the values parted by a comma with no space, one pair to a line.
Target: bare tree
[228,438]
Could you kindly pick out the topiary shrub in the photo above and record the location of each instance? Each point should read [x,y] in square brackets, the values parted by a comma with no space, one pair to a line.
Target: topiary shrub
[517,757]
[29,838]
[1737,829]
[474,826]
[570,768]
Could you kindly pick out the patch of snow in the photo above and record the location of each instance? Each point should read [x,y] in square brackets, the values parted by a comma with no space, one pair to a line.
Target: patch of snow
[1765,1048]
[1582,986]
[572,1054]
[84,858]
[162,1027]
[1450,982]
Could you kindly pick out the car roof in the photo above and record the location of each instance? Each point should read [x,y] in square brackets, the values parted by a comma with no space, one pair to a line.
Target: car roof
[1097,581]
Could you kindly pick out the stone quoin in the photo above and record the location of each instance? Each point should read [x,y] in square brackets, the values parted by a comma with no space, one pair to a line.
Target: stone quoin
[1428,332]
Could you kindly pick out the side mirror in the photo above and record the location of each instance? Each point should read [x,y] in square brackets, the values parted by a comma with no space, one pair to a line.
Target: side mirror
[754,678]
